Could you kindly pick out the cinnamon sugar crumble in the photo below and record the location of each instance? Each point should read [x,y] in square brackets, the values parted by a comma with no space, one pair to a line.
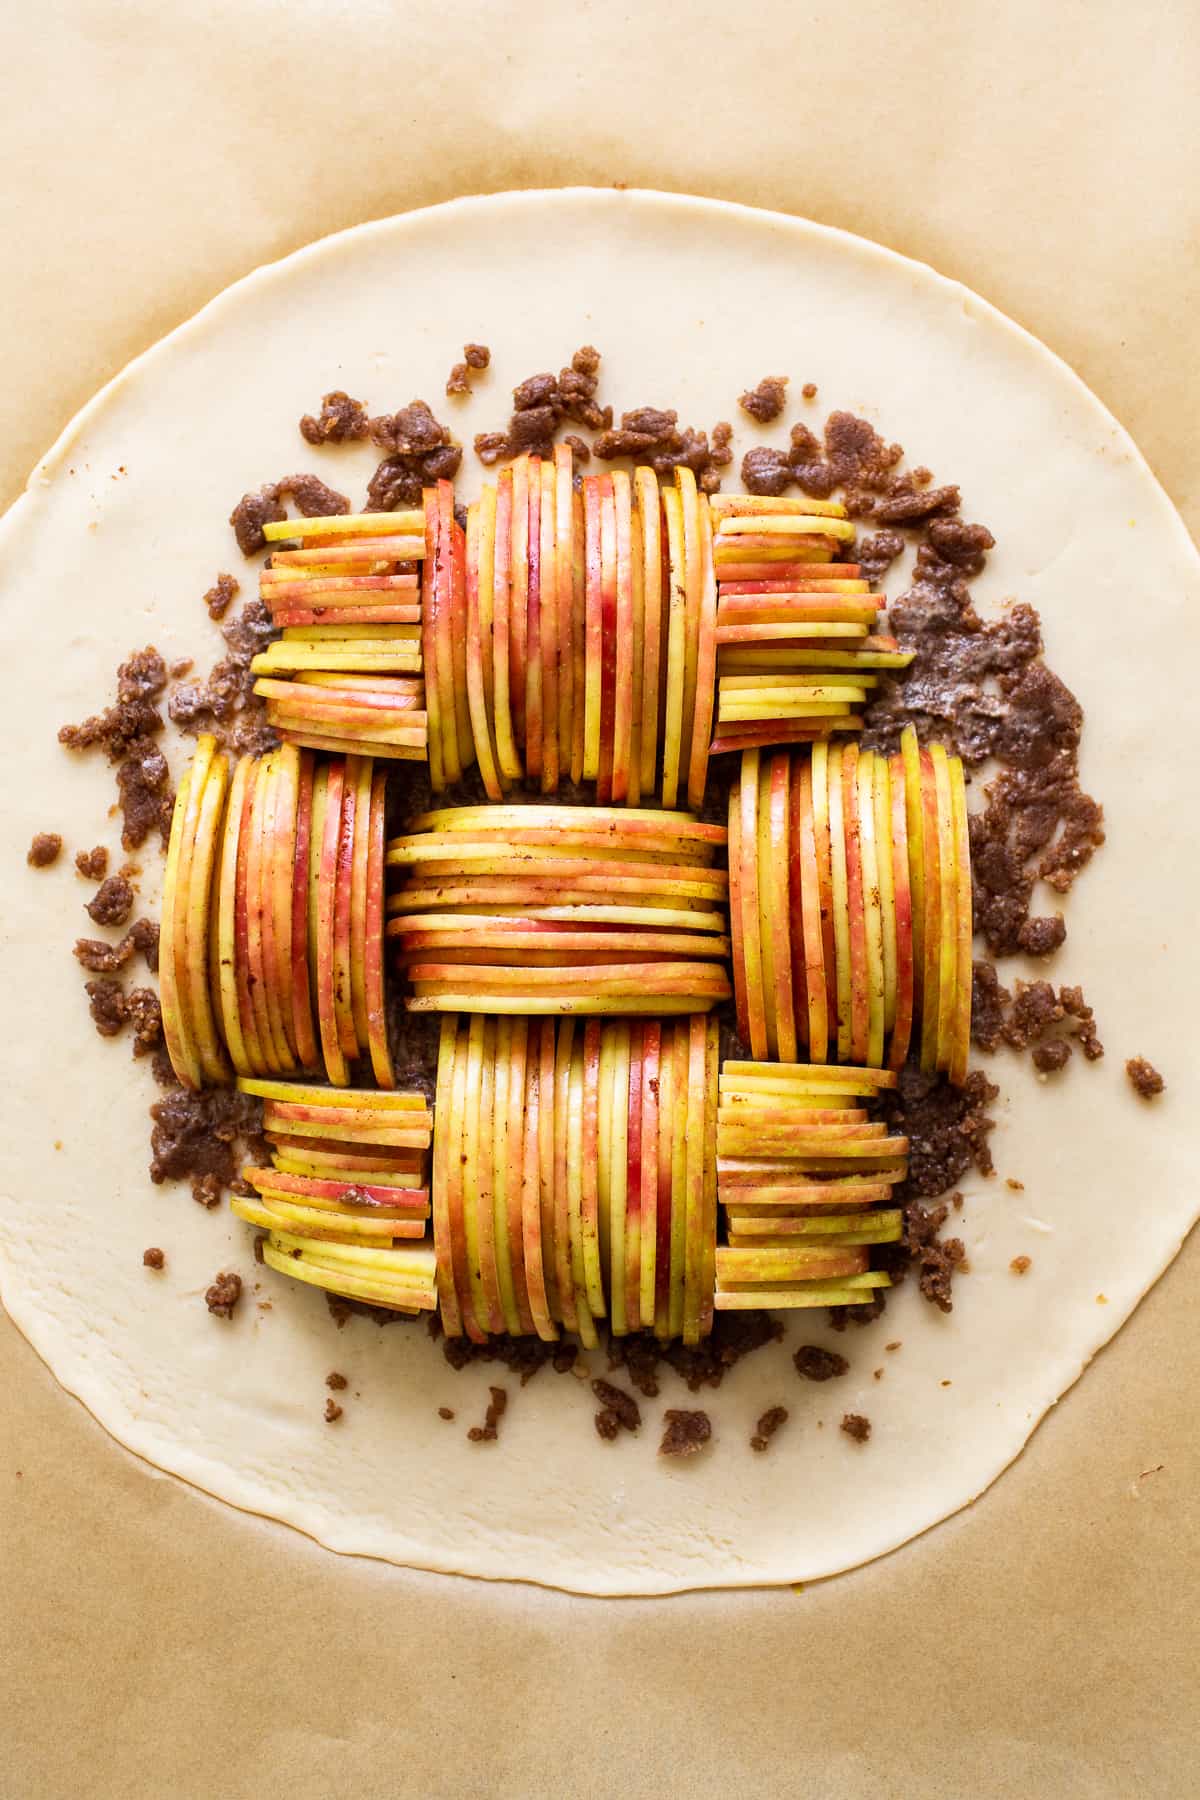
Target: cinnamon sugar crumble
[44,850]
[1144,1077]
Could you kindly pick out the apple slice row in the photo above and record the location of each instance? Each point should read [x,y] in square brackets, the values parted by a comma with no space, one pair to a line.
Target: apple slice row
[349,712]
[559,910]
[189,1028]
[850,905]
[273,918]
[574,1176]
[804,1178]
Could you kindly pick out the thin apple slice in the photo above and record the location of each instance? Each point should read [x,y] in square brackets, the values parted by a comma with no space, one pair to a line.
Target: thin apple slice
[905,916]
[181,1046]
[751,911]
[282,884]
[652,1033]
[708,1243]
[608,640]
[623,632]
[514,1197]
[650,530]
[766,896]
[590,1161]
[471,1207]
[948,882]
[693,577]
[618,1174]
[637,582]
[632,1249]
[518,617]
[478,649]
[324,936]
[910,756]
[456,1190]
[856,901]
[838,836]
[443,1150]
[666,1143]
[931,994]
[680,1089]
[578,634]
[201,938]
[881,804]
[227,987]
[676,645]
[457,748]
[706,663]
[485,1199]
[534,731]
[359,871]
[181,911]
[506,749]
[564,1277]
[737,945]
[545,1162]
[872,885]
[564,584]
[574,1175]
[503,1105]
[548,618]
[815,979]
[693,1193]
[429,642]
[604,1101]
[255,961]
[343,1009]
[961,1036]
[374,993]
[593,628]
[775,801]
[819,761]
[259,1043]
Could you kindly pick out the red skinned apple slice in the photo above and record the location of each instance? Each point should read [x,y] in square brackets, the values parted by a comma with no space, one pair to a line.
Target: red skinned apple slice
[518,617]
[456,1191]
[751,910]
[676,645]
[501,1110]
[650,526]
[227,986]
[815,981]
[693,1198]
[574,1175]
[181,1047]
[961,1034]
[637,582]
[649,1175]
[564,1278]
[443,1151]
[624,643]
[255,960]
[618,1174]
[374,995]
[359,870]
[259,1043]
[544,1160]
[506,748]
[471,1133]
[608,639]
[708,1248]
[343,1010]
[181,908]
[485,1193]
[578,635]
[590,1159]
[680,1087]
[281,878]
[633,1184]
[905,929]
[457,747]
[881,801]
[766,897]
[548,623]
[838,836]
[706,663]
[872,908]
[910,754]
[778,908]
[666,1141]
[429,642]
[593,628]
[856,900]
[326,895]
[200,938]
[477,697]
[534,734]
[515,1188]
[819,762]
[564,581]
[737,946]
[931,990]
[689,504]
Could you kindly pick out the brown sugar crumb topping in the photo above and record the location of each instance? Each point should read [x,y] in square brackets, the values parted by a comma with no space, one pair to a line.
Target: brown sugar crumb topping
[734,1335]
[767,1426]
[419,453]
[224,703]
[44,850]
[341,420]
[475,357]
[684,1433]
[856,1426]
[497,1406]
[1019,1264]
[112,902]
[1032,1017]
[544,402]
[815,1364]
[101,958]
[333,1412]
[809,390]
[766,401]
[445,1412]
[144,1013]
[107,1004]
[1048,1058]
[92,864]
[220,597]
[126,732]
[222,1297]
[210,1133]
[313,497]
[335,1381]
[154,1258]
[1144,1077]
[619,1411]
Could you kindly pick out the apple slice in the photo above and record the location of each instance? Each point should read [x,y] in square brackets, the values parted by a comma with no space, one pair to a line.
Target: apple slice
[589,1169]
[604,1102]
[514,1192]
[564,1277]
[881,804]
[507,755]
[545,1163]
[608,638]
[706,663]
[548,618]
[676,645]
[181,911]
[712,1065]
[281,882]
[625,645]
[910,754]
[815,978]
[578,633]
[906,956]
[451,636]
[838,838]
[518,617]
[651,1064]
[343,1009]
[593,627]
[534,733]
[213,1063]
[485,1197]
[751,910]
[666,1141]
[456,1192]
[359,867]
[637,583]
[501,1107]
[872,886]
[575,1181]
[471,1199]
[961,1034]
[856,907]
[227,982]
[689,504]
[680,1092]
[443,1149]
[324,938]
[821,837]
[477,647]
[948,885]
[932,933]
[564,583]
[693,1196]
[631,1257]
[618,1173]
[738,949]
[255,958]
[485,592]
[649,518]
[429,642]
[374,995]
[181,1046]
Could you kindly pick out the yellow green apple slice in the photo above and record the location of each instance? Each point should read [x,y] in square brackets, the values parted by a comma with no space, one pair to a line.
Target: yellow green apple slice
[564,586]
[548,646]
[575,1179]
[816,984]
[632,1249]
[359,873]
[777,886]
[514,1189]
[680,1091]
[429,642]
[649,540]
[872,859]
[608,637]
[485,1199]
[534,729]
[374,996]
[593,628]
[948,939]
[255,959]
[932,932]
[881,802]
[914,819]
[751,912]
[452,550]
[665,1154]
[578,632]
[689,504]
[737,947]
[637,582]
[766,897]
[676,646]
[198,959]
[652,1038]
[445,1149]
[961,1035]
[841,903]
[181,908]
[462,1220]
[856,900]
[618,1174]
[906,958]
[692,1200]
[502,1103]
[343,1009]
[706,663]
[507,754]
[564,1280]
[181,1047]
[283,810]
[819,763]
[536,1253]
[477,647]
[227,979]
[259,1048]
[326,895]
[708,1241]
[589,1202]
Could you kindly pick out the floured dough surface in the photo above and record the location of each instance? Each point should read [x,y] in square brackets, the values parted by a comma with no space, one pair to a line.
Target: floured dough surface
[121,532]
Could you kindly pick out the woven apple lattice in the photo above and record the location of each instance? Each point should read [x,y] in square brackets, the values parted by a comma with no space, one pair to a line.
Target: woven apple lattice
[586,646]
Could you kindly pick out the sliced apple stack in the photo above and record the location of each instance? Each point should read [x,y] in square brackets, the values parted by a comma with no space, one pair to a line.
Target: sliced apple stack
[560,909]
[376,715]
[189,1026]
[850,905]
[798,645]
[345,594]
[346,1199]
[574,1176]
[804,1177]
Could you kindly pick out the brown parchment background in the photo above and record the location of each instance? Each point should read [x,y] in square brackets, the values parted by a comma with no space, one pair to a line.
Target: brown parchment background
[1044,1642]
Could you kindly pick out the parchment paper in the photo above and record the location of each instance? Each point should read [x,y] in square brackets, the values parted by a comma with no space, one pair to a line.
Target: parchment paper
[1042,1642]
